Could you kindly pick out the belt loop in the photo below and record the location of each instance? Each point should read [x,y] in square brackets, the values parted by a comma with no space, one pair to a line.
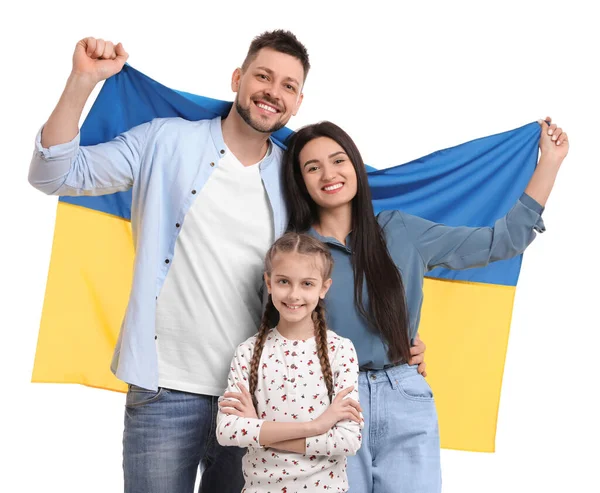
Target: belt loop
[391,377]
[363,372]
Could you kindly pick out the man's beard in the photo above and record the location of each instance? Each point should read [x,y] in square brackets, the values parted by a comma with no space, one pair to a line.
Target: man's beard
[256,125]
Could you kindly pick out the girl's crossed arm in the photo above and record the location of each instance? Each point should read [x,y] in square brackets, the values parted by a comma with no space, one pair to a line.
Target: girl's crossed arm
[238,424]
[342,419]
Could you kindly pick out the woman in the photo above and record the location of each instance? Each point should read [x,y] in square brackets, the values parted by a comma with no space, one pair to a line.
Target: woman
[376,296]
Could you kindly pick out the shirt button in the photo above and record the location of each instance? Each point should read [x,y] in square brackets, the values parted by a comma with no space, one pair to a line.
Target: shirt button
[373,377]
[222,151]
[167,261]
[212,165]
[155,337]
[193,192]
[177,225]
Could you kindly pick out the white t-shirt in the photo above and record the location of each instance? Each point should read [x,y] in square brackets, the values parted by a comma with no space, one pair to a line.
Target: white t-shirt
[210,299]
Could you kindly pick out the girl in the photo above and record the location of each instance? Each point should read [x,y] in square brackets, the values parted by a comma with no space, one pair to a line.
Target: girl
[377,292]
[293,390]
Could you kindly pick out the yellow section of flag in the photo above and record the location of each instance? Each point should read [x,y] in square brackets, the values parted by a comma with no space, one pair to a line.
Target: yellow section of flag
[465,326]
[86,296]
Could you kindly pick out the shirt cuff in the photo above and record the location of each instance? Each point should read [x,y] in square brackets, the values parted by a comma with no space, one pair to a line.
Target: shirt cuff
[317,445]
[59,151]
[534,206]
[531,203]
[248,432]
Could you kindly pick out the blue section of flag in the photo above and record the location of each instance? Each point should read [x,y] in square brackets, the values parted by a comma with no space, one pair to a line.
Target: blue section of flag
[472,184]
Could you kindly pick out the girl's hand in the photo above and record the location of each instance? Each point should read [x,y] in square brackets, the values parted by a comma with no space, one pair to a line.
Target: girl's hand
[339,410]
[242,407]
[554,142]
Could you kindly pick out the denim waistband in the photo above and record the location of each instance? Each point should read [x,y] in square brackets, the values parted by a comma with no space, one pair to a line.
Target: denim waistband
[388,375]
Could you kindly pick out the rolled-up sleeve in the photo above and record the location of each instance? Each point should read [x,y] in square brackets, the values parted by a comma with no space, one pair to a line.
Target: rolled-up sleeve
[71,169]
[465,247]
[345,438]
[234,430]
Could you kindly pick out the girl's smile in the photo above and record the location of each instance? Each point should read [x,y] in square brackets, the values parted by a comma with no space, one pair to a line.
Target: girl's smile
[296,285]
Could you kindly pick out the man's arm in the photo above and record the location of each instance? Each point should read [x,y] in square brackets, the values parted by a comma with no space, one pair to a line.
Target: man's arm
[59,166]
[94,60]
[417,353]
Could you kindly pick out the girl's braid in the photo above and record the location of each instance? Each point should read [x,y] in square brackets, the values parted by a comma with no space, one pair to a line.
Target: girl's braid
[258,346]
[318,317]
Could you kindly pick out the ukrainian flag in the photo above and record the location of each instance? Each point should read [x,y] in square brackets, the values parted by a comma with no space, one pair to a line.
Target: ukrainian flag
[466,315]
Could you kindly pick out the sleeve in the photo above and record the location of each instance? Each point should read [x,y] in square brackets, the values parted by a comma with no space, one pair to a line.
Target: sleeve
[465,247]
[233,430]
[345,437]
[71,169]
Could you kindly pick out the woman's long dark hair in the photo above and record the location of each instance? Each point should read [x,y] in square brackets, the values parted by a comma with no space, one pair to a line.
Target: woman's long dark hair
[371,261]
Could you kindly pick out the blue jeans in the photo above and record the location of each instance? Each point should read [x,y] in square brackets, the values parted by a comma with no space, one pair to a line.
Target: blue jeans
[400,452]
[168,436]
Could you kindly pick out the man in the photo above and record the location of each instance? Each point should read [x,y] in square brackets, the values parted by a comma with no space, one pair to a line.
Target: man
[206,205]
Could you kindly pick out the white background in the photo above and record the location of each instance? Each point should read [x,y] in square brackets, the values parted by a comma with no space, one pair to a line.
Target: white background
[403,83]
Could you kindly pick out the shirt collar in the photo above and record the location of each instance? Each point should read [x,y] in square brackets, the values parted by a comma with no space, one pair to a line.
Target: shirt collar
[216,133]
[330,240]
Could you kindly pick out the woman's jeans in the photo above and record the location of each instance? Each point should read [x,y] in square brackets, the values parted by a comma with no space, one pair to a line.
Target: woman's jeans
[400,452]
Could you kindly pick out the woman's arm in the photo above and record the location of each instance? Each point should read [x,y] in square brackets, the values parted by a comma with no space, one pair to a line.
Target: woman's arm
[465,247]
[554,146]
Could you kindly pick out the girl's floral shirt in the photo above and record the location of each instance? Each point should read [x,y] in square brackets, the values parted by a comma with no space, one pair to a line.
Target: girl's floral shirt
[291,387]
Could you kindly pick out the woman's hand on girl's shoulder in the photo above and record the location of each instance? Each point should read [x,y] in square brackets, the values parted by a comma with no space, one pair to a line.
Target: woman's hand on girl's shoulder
[340,409]
[238,403]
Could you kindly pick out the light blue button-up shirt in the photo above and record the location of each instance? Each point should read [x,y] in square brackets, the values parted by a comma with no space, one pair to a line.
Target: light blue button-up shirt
[165,162]
[417,246]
